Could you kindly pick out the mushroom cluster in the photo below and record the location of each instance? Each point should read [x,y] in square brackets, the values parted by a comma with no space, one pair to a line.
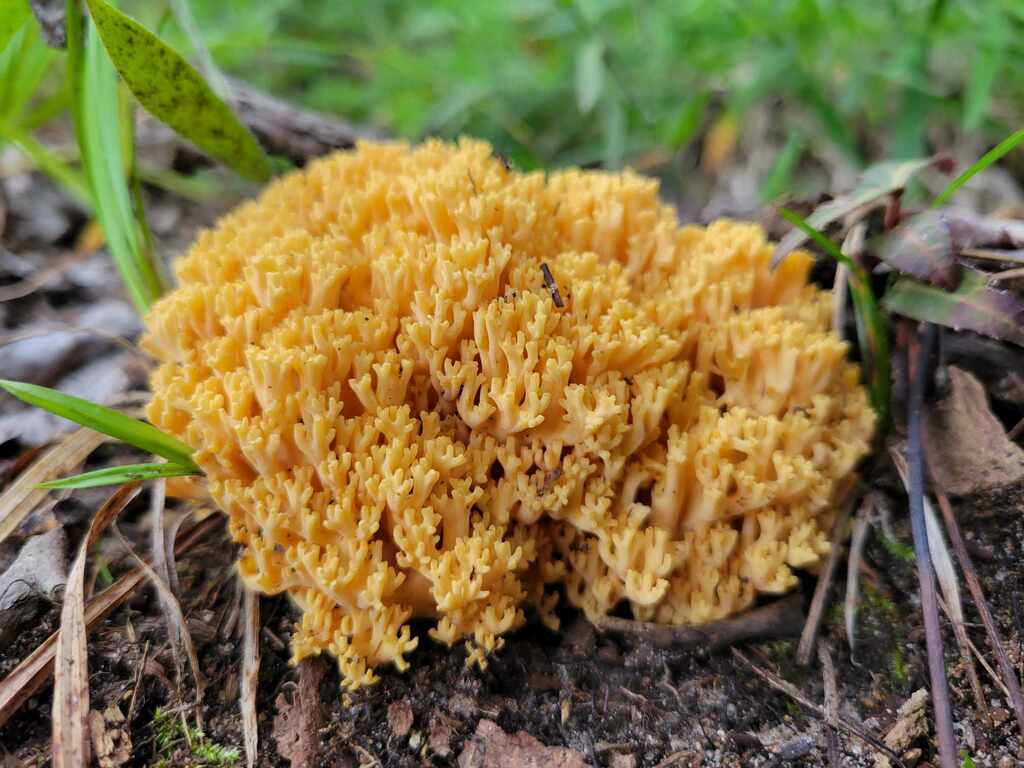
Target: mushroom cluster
[422,384]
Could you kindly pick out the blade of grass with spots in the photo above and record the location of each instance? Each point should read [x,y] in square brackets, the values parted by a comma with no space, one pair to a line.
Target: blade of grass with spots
[175,93]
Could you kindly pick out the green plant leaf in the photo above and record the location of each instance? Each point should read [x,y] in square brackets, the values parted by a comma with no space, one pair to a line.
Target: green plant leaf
[103,419]
[877,181]
[125,473]
[13,13]
[872,329]
[169,88]
[106,161]
[974,306]
[979,165]
[589,75]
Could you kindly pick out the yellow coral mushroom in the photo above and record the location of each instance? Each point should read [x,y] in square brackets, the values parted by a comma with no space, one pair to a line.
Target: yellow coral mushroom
[400,421]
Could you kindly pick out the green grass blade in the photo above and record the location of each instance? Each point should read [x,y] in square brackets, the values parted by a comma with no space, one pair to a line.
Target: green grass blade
[13,13]
[125,473]
[781,174]
[820,238]
[106,168]
[103,419]
[872,329]
[171,89]
[49,163]
[994,154]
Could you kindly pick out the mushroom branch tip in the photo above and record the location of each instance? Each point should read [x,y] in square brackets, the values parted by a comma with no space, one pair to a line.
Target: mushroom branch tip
[399,421]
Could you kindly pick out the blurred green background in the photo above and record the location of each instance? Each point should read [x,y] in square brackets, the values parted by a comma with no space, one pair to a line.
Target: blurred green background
[615,82]
[744,101]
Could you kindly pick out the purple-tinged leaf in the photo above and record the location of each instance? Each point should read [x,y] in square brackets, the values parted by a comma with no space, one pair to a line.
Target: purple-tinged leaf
[973,306]
[877,181]
[924,247]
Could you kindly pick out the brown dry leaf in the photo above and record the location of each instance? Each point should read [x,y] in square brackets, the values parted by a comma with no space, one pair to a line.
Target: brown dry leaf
[911,724]
[491,747]
[111,740]
[297,722]
[250,675]
[440,733]
[22,496]
[400,717]
[29,676]
[71,675]
[38,574]
[719,143]
[966,445]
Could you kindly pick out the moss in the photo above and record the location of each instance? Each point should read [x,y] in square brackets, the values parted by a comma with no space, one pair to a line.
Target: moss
[898,664]
[173,736]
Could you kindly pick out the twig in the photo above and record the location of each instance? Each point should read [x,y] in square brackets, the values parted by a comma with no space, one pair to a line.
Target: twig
[285,129]
[821,592]
[949,585]
[828,674]
[1017,431]
[775,620]
[794,693]
[177,627]
[925,572]
[853,563]
[250,676]
[552,286]
[140,670]
[995,640]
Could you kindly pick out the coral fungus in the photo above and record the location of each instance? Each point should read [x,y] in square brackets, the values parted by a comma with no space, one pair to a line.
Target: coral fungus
[400,419]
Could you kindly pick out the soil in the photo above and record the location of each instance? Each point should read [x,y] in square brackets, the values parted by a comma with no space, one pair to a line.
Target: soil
[608,702]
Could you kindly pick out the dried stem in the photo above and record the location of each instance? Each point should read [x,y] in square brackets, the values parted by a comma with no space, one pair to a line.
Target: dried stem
[926,575]
[775,620]
[828,674]
[858,539]
[794,693]
[1009,675]
[250,676]
[821,592]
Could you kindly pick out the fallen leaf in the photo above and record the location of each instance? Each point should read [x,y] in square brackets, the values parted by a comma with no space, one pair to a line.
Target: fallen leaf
[297,722]
[911,724]
[973,306]
[42,354]
[22,496]
[400,717]
[929,244]
[491,747]
[877,181]
[111,740]
[967,447]
[440,734]
[719,143]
